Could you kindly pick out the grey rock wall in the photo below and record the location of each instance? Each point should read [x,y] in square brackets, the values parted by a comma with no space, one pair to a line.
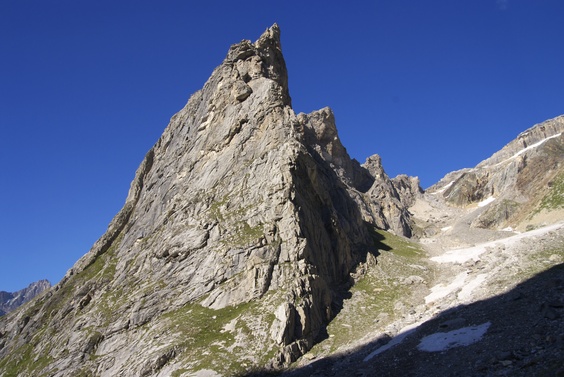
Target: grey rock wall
[516,178]
[12,300]
[240,203]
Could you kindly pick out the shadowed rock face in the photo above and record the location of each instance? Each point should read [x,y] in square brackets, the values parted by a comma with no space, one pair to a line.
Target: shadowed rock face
[240,203]
[381,200]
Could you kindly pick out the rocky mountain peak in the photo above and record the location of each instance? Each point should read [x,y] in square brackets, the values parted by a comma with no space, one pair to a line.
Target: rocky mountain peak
[249,236]
[263,58]
[320,134]
[244,217]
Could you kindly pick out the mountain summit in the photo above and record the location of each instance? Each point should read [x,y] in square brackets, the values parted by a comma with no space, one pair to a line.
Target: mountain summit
[250,240]
[242,232]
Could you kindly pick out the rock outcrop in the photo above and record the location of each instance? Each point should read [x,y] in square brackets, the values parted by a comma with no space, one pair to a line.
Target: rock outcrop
[387,200]
[382,201]
[239,234]
[516,182]
[469,271]
[11,300]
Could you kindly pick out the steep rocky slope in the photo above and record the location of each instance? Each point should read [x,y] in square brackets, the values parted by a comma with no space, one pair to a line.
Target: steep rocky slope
[235,246]
[11,300]
[494,309]
[250,241]
[464,299]
[518,184]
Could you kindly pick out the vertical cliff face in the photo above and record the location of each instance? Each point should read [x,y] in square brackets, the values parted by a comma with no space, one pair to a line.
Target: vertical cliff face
[382,201]
[239,234]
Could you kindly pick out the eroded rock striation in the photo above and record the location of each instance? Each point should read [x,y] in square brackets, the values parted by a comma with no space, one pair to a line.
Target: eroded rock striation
[239,235]
[522,179]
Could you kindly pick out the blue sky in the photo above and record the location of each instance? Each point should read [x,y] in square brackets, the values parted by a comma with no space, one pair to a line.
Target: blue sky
[87,87]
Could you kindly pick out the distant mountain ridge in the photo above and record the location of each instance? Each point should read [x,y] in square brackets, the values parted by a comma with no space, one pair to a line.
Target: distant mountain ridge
[516,183]
[11,300]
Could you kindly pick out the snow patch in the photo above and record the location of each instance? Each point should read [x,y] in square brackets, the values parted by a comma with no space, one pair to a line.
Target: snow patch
[465,293]
[535,145]
[443,341]
[404,333]
[465,254]
[528,148]
[445,187]
[440,290]
[485,202]
[461,255]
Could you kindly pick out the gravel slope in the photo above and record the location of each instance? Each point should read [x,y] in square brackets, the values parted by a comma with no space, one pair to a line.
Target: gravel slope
[485,303]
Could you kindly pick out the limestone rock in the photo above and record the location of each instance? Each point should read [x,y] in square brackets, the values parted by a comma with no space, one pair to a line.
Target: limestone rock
[515,182]
[387,201]
[239,234]
[11,300]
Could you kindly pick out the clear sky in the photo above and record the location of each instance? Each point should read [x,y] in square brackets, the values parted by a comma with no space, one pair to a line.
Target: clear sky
[87,87]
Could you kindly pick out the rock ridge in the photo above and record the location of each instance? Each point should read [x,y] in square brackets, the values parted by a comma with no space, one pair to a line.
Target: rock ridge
[241,203]
[10,301]
[514,183]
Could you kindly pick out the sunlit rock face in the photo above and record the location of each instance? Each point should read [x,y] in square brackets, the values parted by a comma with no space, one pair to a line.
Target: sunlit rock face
[12,300]
[515,183]
[238,238]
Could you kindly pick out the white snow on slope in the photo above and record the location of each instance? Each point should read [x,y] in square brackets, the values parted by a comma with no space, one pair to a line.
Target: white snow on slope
[443,341]
[536,144]
[485,202]
[439,291]
[465,254]
[461,255]
[465,283]
[445,187]
[465,294]
[528,148]
[404,333]
[460,282]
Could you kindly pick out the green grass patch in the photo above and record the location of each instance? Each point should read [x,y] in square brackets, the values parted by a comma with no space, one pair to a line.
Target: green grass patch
[220,340]
[216,208]
[25,361]
[58,305]
[555,197]
[401,246]
[244,235]
[371,298]
[375,296]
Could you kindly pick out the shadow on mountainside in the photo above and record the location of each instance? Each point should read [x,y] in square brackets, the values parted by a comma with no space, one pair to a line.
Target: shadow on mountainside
[365,256]
[525,338]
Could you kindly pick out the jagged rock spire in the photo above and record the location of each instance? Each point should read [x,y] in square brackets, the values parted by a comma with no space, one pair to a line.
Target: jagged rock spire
[240,204]
[260,59]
